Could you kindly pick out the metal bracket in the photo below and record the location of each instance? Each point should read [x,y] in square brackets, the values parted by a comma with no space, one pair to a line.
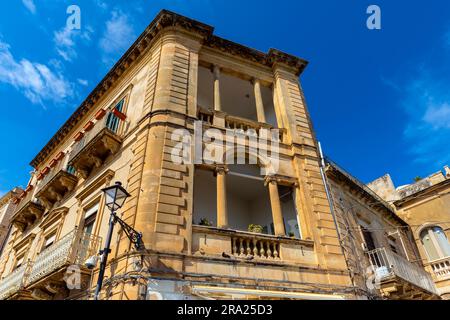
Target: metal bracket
[134,236]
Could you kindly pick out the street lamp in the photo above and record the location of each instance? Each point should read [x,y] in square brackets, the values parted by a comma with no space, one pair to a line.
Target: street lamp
[115,197]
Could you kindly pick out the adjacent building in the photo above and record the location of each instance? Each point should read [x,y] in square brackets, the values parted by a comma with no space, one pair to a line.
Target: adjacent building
[379,246]
[425,206]
[6,210]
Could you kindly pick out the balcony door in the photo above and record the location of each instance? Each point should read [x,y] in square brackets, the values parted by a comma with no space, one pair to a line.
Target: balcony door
[112,122]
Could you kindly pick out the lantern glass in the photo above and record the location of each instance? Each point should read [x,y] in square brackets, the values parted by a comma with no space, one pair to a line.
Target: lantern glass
[115,196]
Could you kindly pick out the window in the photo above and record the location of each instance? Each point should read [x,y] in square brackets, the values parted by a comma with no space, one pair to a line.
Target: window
[368,239]
[70,170]
[49,240]
[19,262]
[89,219]
[112,122]
[291,224]
[392,242]
[435,243]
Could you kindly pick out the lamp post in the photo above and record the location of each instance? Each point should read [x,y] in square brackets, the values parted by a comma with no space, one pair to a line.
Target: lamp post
[115,197]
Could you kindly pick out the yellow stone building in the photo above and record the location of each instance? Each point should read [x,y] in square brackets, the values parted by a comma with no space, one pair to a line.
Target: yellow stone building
[379,246]
[425,206]
[210,229]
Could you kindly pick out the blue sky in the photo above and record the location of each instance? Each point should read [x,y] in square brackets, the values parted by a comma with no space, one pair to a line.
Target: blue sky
[379,99]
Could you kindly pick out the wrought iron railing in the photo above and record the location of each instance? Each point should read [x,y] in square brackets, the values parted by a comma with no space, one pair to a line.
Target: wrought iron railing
[255,247]
[387,264]
[14,282]
[441,268]
[71,249]
[109,122]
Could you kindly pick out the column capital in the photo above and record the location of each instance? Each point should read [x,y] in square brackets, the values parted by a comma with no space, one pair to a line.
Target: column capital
[281,180]
[255,80]
[271,179]
[216,71]
[221,169]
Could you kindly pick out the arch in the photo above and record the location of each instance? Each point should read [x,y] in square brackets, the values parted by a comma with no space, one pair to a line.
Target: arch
[435,242]
[263,161]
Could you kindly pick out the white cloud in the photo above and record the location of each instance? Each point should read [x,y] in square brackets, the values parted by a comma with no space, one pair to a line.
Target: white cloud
[37,81]
[66,41]
[427,104]
[117,37]
[101,4]
[29,4]
[83,82]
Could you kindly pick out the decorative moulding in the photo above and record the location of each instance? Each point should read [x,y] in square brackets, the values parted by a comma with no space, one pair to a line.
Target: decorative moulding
[78,136]
[88,126]
[100,114]
[60,155]
[53,163]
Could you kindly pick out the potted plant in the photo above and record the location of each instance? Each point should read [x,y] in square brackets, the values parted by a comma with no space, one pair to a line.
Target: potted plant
[205,222]
[256,228]
[291,234]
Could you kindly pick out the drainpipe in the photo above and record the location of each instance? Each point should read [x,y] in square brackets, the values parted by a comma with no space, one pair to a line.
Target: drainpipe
[331,203]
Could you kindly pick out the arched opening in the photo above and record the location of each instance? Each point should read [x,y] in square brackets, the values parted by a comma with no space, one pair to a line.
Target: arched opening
[435,243]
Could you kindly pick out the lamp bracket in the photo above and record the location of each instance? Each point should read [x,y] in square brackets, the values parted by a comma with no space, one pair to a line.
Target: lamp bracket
[134,236]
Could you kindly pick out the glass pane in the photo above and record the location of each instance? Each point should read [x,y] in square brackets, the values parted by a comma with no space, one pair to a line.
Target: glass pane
[442,240]
[428,245]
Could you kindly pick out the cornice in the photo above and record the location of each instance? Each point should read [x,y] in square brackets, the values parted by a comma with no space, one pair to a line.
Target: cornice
[165,19]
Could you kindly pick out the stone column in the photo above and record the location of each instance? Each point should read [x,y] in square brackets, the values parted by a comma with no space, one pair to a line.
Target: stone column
[259,101]
[277,214]
[217,103]
[222,215]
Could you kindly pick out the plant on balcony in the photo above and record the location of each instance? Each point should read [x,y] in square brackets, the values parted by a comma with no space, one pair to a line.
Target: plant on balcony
[256,228]
[205,222]
[291,234]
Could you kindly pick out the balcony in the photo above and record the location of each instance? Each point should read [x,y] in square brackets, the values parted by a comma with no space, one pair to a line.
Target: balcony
[222,120]
[12,286]
[46,276]
[27,212]
[441,268]
[400,279]
[95,145]
[55,184]
[249,246]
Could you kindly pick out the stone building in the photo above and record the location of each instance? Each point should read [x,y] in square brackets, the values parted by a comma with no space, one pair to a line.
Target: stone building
[6,210]
[210,230]
[379,246]
[425,206]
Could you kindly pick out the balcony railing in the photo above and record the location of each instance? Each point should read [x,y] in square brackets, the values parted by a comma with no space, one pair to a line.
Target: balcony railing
[241,124]
[96,144]
[260,247]
[388,264]
[71,249]
[14,282]
[255,247]
[441,268]
[109,123]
